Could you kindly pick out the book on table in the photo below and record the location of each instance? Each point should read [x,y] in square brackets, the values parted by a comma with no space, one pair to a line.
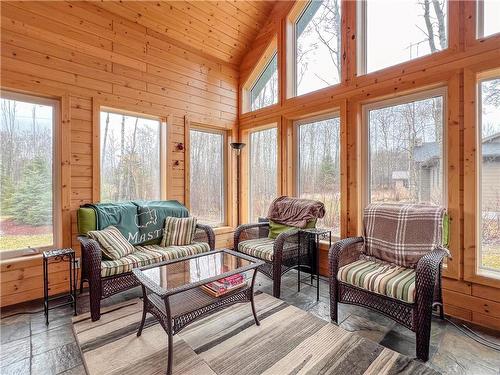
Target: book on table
[225,285]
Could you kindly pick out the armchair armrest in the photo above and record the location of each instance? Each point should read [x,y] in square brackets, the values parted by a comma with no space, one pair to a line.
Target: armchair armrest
[428,271]
[205,233]
[254,230]
[344,252]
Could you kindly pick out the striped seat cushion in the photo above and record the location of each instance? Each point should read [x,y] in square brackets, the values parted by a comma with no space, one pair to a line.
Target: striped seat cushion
[381,278]
[150,254]
[179,231]
[174,252]
[114,245]
[262,248]
[126,263]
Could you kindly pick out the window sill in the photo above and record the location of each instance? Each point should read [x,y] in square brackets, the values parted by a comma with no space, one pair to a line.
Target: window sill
[223,230]
[11,260]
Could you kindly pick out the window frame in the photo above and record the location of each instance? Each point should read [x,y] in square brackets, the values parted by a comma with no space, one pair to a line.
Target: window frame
[56,172]
[291,49]
[163,146]
[246,169]
[296,161]
[257,71]
[472,176]
[361,45]
[365,149]
[225,163]
[480,21]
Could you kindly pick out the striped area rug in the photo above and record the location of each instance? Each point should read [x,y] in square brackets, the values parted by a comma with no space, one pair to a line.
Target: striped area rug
[288,341]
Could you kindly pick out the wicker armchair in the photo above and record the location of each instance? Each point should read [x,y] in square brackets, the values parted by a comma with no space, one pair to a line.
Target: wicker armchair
[284,251]
[102,287]
[415,316]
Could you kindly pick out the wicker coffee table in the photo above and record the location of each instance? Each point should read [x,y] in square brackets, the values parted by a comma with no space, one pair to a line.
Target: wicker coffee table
[173,294]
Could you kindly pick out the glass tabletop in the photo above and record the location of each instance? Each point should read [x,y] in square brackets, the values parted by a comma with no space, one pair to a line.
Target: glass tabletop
[174,276]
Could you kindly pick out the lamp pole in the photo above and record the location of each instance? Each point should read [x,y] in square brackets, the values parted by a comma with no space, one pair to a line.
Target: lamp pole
[237,147]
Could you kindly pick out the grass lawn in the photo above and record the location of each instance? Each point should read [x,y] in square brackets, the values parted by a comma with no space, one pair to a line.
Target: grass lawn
[491,256]
[20,242]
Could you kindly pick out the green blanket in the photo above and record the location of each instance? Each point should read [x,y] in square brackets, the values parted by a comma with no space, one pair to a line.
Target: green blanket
[138,221]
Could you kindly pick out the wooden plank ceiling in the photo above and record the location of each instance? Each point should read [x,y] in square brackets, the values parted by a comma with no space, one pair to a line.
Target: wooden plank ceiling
[220,29]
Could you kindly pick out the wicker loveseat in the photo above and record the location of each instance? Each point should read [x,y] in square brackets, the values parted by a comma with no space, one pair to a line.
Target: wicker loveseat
[395,268]
[107,277]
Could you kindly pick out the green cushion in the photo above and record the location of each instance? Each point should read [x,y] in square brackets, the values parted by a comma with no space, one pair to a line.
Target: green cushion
[275,229]
[446,230]
[86,220]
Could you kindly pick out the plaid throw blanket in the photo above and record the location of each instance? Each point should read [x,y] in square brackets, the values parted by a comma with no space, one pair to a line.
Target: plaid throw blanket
[402,233]
[295,212]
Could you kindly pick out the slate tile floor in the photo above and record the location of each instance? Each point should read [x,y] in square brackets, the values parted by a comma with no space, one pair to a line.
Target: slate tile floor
[29,347]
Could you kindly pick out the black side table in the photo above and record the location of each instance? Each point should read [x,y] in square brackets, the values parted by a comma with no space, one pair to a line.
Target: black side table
[57,256]
[314,235]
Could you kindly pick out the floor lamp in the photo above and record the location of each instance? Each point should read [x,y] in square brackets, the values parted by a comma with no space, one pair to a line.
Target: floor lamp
[237,147]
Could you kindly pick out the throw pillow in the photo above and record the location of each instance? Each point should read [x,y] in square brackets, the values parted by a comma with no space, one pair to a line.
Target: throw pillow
[275,229]
[179,231]
[113,244]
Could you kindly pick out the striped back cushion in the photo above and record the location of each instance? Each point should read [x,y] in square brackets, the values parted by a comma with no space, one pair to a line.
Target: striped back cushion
[113,244]
[179,231]
[402,233]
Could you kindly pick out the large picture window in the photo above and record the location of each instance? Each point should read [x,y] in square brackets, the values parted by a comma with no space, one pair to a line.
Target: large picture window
[318,46]
[318,167]
[130,157]
[405,159]
[392,32]
[265,90]
[489,175]
[207,176]
[488,12]
[27,199]
[263,164]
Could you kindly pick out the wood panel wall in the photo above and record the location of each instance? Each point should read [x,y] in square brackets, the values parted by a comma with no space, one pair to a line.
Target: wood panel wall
[469,298]
[86,56]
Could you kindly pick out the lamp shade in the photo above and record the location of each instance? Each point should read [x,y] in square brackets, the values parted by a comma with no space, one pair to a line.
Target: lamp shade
[237,145]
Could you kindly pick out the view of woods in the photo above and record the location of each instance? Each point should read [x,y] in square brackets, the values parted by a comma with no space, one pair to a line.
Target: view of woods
[318,49]
[406,152]
[490,174]
[319,168]
[421,29]
[265,91]
[26,157]
[130,157]
[263,171]
[206,170]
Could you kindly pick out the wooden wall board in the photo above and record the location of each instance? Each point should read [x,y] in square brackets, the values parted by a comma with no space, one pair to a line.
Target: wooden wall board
[474,299]
[87,57]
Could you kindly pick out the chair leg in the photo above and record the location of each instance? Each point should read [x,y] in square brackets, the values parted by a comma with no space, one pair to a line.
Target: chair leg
[423,330]
[277,287]
[334,305]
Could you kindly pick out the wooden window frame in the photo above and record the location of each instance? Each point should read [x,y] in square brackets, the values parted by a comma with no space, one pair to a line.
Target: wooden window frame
[164,154]
[472,127]
[291,48]
[361,45]
[269,53]
[57,204]
[245,165]
[480,21]
[226,161]
[296,161]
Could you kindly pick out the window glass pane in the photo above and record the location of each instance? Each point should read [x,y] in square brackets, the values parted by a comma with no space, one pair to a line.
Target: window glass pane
[265,90]
[130,158]
[491,17]
[398,31]
[319,168]
[26,164]
[489,166]
[263,163]
[406,152]
[318,53]
[207,176]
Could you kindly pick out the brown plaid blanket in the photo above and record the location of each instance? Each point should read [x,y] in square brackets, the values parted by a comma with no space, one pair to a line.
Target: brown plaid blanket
[295,212]
[402,233]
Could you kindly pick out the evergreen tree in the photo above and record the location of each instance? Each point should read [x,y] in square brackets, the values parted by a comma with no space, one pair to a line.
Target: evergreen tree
[32,202]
